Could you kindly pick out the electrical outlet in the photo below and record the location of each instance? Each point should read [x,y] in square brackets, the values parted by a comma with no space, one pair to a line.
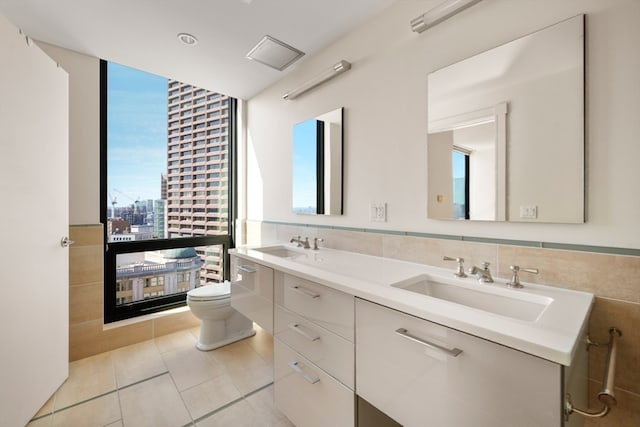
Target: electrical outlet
[378,212]
[529,212]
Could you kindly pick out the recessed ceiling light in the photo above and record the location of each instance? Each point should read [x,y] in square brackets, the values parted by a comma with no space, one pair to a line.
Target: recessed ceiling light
[187,39]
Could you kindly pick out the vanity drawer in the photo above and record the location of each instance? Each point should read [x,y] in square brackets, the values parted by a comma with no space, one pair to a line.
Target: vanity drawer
[326,307]
[252,291]
[329,351]
[307,395]
[485,385]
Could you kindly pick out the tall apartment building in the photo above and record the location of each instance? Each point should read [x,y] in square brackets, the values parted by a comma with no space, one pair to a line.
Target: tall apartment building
[197,169]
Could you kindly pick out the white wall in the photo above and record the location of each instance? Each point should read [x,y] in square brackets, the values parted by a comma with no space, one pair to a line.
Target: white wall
[384,95]
[84,133]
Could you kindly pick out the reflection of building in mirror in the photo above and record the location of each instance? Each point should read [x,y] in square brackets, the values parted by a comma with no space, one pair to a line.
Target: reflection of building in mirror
[317,165]
[466,165]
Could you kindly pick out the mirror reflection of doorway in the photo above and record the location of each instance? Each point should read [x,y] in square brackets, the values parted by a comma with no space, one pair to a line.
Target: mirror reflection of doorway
[460,166]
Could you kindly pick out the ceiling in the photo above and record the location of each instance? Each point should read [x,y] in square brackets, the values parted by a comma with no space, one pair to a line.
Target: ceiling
[143,33]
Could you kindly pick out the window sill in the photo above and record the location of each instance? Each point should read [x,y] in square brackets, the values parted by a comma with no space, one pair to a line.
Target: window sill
[144,318]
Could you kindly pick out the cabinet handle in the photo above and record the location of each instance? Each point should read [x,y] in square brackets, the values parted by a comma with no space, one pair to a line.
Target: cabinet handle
[450,352]
[298,328]
[246,269]
[308,378]
[306,292]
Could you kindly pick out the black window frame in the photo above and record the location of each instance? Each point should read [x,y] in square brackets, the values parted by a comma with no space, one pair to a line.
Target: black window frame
[114,312]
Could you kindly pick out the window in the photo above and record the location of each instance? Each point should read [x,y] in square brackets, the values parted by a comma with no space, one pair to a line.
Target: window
[160,243]
[460,164]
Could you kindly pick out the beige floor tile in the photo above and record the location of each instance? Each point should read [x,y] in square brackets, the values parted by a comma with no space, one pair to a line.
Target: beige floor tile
[190,367]
[210,395]
[195,332]
[263,404]
[248,380]
[116,424]
[137,362]
[89,377]
[153,403]
[237,415]
[175,341]
[244,365]
[42,422]
[98,412]
[262,343]
[47,408]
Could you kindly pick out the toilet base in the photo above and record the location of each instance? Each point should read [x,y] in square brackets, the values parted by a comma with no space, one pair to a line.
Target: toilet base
[242,335]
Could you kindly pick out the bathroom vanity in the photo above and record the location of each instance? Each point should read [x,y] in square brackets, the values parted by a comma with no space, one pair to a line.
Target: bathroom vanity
[415,342]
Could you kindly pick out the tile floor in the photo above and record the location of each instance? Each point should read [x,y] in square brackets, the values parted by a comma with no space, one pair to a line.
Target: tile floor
[168,382]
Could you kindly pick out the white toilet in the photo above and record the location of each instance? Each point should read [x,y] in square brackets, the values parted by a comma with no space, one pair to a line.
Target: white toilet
[221,323]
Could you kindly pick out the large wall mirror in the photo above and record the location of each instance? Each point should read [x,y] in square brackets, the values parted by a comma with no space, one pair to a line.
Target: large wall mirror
[317,165]
[506,131]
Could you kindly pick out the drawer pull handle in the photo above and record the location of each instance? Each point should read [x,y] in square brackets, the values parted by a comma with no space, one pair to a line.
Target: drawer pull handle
[246,269]
[450,352]
[306,292]
[308,378]
[298,328]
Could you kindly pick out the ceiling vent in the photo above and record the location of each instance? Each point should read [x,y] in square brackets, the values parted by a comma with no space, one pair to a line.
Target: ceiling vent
[274,53]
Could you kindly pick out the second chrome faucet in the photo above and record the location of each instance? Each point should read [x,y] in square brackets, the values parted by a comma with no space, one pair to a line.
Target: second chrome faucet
[305,243]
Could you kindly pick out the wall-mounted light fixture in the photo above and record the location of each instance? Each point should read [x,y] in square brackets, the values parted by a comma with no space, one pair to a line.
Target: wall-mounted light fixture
[332,72]
[441,12]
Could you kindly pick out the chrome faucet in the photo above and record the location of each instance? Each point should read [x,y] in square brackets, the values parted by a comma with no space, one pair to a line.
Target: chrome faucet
[484,274]
[460,268]
[300,243]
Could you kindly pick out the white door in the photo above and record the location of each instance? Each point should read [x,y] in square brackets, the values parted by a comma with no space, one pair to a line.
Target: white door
[34,326]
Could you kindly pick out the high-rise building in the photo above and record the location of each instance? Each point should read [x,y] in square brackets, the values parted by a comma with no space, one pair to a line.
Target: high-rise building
[197,169]
[159,218]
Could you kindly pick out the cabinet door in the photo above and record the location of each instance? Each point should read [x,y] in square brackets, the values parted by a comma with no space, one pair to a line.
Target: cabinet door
[486,385]
[252,291]
[307,395]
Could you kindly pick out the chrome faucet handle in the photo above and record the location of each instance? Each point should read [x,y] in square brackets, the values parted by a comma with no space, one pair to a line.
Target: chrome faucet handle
[460,269]
[515,280]
[315,242]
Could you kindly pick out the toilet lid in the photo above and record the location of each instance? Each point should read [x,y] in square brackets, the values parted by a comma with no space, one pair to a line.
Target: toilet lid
[210,292]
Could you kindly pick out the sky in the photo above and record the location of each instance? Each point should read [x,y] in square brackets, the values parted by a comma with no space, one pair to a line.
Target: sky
[136,134]
[304,165]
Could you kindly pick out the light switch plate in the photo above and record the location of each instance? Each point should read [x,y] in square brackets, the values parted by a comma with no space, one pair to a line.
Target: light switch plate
[378,212]
[529,212]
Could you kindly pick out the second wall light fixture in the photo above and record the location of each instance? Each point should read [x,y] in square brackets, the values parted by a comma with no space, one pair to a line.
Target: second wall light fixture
[328,74]
[441,12]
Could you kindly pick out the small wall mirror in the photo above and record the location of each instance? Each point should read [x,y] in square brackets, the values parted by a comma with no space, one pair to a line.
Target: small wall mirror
[317,165]
[506,131]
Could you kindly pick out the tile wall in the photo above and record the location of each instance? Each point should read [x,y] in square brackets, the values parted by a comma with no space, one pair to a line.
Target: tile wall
[613,279]
[87,334]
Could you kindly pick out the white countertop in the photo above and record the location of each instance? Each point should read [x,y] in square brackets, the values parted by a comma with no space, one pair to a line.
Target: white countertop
[554,335]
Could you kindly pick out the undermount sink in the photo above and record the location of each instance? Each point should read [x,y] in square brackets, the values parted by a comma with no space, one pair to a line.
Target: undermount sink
[281,251]
[523,306]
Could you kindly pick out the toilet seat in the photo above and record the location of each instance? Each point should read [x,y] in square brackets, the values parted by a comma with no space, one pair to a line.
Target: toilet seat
[210,292]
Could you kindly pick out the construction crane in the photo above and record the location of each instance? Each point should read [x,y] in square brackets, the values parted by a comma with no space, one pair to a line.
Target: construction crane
[135,201]
[114,201]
